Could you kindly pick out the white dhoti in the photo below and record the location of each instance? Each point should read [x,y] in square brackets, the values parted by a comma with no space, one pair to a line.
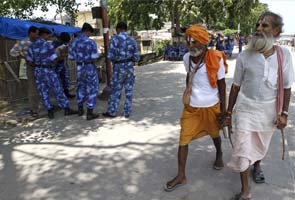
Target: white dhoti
[249,147]
[253,128]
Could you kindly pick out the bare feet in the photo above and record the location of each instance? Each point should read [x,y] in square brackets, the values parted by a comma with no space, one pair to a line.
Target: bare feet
[174,183]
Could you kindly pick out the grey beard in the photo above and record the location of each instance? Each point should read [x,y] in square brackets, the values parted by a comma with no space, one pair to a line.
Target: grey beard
[194,52]
[261,43]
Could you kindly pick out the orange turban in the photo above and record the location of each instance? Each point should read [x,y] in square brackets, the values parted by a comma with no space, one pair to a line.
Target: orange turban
[198,33]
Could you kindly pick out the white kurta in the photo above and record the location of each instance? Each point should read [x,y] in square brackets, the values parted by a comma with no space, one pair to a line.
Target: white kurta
[203,95]
[254,112]
[257,78]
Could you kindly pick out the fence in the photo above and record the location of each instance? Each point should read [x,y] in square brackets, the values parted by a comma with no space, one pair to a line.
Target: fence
[11,88]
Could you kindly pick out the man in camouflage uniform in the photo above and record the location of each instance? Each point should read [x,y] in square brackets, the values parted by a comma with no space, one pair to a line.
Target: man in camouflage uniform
[123,52]
[41,55]
[61,68]
[84,51]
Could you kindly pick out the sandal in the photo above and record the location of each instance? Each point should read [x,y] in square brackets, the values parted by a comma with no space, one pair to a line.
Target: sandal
[218,164]
[239,197]
[258,176]
[170,188]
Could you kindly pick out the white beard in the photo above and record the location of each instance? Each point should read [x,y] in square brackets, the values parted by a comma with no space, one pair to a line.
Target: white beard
[261,43]
[194,52]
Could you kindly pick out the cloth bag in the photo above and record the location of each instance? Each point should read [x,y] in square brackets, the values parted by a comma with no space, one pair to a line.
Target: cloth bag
[22,69]
[188,89]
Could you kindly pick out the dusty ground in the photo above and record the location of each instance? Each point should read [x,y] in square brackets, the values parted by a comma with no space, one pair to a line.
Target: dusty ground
[124,159]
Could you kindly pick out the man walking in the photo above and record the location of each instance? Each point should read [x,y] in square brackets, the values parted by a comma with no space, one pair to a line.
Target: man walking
[84,51]
[260,93]
[41,55]
[20,50]
[206,77]
[123,52]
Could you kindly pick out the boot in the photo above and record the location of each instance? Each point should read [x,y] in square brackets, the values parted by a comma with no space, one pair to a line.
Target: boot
[67,93]
[90,114]
[80,110]
[106,114]
[50,113]
[69,111]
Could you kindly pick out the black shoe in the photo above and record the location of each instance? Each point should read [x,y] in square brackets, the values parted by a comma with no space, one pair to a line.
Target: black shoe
[67,93]
[34,114]
[80,110]
[69,111]
[90,114]
[106,114]
[50,113]
[127,116]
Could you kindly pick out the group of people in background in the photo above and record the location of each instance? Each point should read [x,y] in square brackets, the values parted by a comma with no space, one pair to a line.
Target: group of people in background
[175,52]
[47,72]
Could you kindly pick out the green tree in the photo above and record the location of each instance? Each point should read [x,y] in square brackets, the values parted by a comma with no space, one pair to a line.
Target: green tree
[69,7]
[23,9]
[216,14]
[19,8]
[249,21]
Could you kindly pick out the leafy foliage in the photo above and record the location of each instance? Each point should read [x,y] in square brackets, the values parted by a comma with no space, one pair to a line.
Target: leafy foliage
[159,46]
[140,14]
[23,9]
[228,32]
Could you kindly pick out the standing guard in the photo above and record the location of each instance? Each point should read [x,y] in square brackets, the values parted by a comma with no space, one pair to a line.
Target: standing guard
[123,52]
[84,51]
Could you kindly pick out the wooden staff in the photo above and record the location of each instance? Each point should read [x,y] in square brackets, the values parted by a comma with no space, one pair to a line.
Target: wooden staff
[8,67]
[283,143]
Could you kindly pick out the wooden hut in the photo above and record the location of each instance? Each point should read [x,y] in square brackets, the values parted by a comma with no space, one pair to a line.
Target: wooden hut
[13,89]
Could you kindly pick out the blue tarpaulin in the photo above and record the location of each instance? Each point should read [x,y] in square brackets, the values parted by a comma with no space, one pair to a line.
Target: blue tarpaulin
[18,29]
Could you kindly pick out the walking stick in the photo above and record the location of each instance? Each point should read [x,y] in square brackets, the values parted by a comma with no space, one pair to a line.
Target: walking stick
[229,136]
[283,143]
[227,131]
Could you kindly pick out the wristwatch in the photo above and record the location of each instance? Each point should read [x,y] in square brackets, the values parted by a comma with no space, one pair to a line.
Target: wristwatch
[285,113]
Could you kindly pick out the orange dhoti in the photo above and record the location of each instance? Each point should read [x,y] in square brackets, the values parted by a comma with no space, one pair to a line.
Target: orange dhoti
[198,122]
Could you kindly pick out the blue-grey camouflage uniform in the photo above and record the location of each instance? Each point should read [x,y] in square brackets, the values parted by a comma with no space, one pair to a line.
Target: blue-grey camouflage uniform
[42,54]
[83,50]
[123,52]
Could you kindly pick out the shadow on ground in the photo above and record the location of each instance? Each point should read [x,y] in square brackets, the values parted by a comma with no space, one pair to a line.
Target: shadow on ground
[121,159]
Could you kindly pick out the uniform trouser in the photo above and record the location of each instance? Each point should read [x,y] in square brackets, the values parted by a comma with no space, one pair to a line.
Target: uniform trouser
[33,94]
[121,78]
[87,85]
[63,74]
[46,81]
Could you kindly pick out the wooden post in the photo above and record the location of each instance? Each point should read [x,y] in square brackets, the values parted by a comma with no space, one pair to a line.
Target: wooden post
[106,91]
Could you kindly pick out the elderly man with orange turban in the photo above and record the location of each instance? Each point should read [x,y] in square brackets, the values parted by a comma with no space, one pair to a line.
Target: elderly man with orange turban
[206,70]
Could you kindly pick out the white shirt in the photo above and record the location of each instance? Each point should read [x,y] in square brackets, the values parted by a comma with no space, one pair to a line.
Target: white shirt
[257,77]
[21,48]
[203,95]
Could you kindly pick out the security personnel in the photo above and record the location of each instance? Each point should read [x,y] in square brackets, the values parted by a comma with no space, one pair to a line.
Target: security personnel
[41,55]
[123,52]
[61,68]
[84,51]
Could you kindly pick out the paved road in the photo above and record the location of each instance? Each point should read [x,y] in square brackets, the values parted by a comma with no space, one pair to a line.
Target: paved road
[130,159]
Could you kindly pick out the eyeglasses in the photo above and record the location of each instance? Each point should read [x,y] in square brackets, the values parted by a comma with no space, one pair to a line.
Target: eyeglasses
[264,25]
